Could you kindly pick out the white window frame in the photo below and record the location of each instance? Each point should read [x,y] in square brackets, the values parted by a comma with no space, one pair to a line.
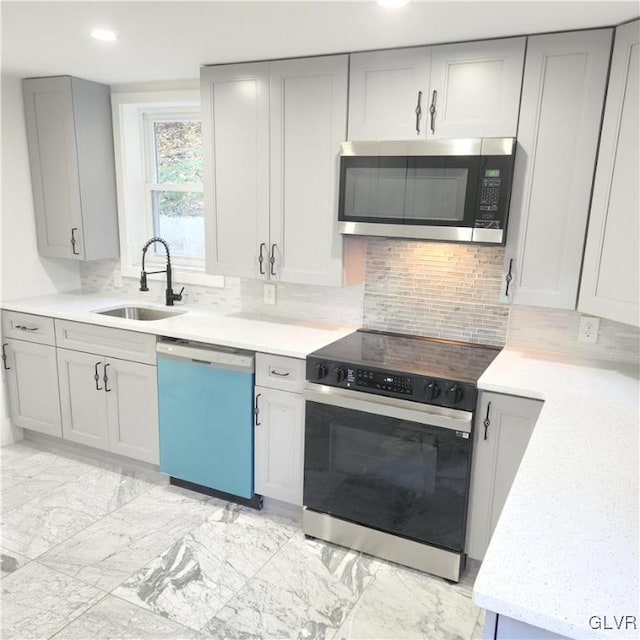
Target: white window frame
[132,114]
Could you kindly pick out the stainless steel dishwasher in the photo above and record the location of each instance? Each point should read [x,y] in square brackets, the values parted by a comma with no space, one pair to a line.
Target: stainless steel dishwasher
[205,397]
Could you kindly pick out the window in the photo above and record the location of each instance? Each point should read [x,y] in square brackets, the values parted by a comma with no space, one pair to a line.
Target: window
[159,167]
[174,183]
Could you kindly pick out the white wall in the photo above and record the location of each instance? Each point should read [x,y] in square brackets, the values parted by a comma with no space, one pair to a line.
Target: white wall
[22,271]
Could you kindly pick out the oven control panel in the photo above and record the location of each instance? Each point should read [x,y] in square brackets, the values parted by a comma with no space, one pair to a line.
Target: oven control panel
[435,391]
[374,380]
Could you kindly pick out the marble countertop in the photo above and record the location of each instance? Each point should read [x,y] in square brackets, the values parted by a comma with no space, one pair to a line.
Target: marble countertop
[288,338]
[566,546]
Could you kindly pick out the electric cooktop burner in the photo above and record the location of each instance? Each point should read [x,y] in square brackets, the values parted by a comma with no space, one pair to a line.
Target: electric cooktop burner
[460,361]
[427,370]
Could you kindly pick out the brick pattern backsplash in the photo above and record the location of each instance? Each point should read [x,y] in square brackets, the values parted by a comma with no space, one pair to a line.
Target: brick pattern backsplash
[309,304]
[421,288]
[435,289]
[556,331]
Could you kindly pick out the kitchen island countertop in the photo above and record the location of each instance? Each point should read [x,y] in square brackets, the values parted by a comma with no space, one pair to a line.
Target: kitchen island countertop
[566,546]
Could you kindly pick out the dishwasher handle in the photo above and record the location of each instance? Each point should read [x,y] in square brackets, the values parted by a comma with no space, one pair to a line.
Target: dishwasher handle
[208,355]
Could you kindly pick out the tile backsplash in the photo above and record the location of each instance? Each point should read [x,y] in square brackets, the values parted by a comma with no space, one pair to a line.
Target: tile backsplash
[435,289]
[422,288]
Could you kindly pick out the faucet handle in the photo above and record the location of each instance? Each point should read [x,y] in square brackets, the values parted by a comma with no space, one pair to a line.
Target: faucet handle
[143,281]
[179,295]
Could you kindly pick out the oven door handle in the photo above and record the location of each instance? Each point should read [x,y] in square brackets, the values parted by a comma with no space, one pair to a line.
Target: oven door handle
[452,419]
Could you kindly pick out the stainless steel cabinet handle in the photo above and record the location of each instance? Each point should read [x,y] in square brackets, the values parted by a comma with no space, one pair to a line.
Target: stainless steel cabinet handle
[487,422]
[272,259]
[261,258]
[278,373]
[508,278]
[23,327]
[4,356]
[432,110]
[105,378]
[418,112]
[73,241]
[96,376]
[256,410]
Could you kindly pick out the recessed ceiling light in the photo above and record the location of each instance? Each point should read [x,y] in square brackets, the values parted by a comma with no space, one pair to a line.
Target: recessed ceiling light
[106,35]
[392,4]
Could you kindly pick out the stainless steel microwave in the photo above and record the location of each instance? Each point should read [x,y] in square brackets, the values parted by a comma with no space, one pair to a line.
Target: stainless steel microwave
[455,190]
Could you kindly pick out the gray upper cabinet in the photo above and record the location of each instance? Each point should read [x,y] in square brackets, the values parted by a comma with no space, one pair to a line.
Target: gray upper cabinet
[384,89]
[70,140]
[611,271]
[467,90]
[475,89]
[235,128]
[562,99]
[272,133]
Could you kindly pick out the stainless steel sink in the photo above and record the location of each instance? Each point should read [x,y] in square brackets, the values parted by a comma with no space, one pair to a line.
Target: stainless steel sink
[140,313]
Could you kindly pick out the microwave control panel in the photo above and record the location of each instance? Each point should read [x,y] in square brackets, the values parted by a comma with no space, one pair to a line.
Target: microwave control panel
[494,192]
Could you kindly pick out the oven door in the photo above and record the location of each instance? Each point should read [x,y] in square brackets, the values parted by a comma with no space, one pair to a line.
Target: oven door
[392,465]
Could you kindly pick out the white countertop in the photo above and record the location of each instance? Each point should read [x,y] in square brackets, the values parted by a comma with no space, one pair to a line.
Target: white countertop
[566,546]
[294,339]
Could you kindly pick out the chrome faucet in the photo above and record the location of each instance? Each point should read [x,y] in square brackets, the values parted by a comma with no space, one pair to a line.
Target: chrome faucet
[170,295]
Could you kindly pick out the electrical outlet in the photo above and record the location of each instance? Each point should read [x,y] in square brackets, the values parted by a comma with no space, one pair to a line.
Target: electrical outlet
[588,329]
[117,278]
[269,293]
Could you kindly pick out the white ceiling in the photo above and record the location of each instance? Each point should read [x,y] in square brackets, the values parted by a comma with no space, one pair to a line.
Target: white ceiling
[161,41]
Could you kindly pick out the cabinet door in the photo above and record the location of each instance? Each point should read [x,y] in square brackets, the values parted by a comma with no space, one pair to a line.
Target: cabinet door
[475,89]
[279,433]
[132,407]
[51,138]
[32,379]
[82,398]
[611,270]
[562,97]
[308,100]
[235,127]
[497,453]
[385,89]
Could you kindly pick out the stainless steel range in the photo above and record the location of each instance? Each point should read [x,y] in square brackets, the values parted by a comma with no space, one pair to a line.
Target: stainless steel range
[388,436]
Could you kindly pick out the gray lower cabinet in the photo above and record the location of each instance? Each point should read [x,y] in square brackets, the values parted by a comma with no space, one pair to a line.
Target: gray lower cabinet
[70,141]
[498,449]
[499,627]
[279,442]
[109,404]
[279,427]
[32,381]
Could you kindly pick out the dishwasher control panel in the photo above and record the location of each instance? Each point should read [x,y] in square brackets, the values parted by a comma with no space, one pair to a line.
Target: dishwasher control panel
[214,355]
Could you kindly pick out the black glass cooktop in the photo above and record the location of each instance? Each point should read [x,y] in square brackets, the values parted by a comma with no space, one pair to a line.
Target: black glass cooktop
[431,357]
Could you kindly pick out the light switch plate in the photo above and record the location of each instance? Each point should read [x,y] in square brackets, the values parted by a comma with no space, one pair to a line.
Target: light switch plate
[269,293]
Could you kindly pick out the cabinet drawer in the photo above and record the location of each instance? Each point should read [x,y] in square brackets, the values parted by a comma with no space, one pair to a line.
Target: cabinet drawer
[105,341]
[280,372]
[26,326]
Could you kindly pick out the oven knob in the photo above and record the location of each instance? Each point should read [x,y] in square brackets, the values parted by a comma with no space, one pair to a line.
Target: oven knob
[341,374]
[321,371]
[456,393]
[432,390]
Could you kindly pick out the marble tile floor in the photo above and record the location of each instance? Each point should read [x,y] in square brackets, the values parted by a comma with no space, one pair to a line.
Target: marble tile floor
[101,549]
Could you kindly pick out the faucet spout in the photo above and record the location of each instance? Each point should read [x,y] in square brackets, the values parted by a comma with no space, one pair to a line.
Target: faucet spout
[170,296]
